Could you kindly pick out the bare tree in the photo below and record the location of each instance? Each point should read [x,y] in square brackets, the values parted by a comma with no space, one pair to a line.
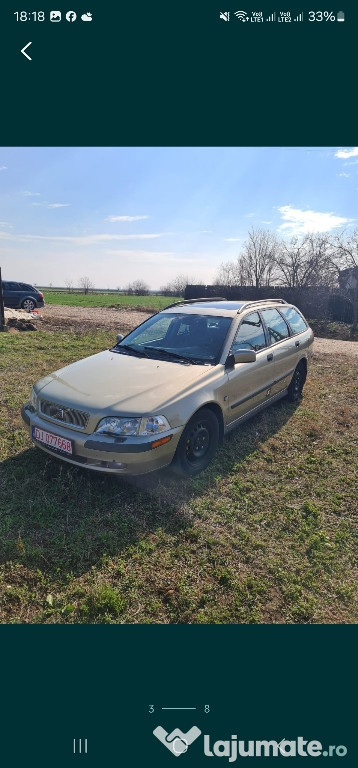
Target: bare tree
[258,260]
[138,287]
[228,274]
[345,259]
[86,284]
[306,262]
[69,284]
[255,265]
[179,283]
[177,286]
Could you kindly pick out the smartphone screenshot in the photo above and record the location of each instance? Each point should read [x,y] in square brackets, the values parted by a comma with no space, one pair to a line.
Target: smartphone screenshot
[178,367]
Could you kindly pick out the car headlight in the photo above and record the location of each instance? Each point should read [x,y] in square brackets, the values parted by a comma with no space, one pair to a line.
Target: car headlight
[148,425]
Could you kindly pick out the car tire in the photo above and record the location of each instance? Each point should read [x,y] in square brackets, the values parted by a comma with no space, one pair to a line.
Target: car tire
[28,304]
[295,387]
[197,444]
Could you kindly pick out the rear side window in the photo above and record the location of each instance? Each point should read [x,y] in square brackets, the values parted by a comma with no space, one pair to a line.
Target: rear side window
[13,287]
[294,319]
[26,287]
[251,334]
[276,326]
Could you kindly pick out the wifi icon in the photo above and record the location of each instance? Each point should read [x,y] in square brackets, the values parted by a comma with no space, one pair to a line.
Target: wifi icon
[241,15]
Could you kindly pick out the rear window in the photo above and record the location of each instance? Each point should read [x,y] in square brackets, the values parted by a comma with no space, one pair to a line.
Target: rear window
[275,324]
[295,320]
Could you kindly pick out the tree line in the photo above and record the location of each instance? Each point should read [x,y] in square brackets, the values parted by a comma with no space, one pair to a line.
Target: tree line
[314,259]
[310,260]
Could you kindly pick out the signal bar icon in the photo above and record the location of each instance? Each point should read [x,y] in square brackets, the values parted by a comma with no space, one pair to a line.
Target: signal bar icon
[225,15]
[299,17]
[272,17]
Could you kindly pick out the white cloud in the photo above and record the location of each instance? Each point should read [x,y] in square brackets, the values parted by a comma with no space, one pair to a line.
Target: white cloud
[58,205]
[78,239]
[5,224]
[344,154]
[232,239]
[46,204]
[298,222]
[3,167]
[249,215]
[126,218]
[344,175]
[27,193]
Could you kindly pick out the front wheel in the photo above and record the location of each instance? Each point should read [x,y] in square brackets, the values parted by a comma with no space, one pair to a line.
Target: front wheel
[296,385]
[28,304]
[197,444]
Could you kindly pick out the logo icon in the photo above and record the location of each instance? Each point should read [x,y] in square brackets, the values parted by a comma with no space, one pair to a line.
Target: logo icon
[177,742]
[55,15]
[86,16]
[340,16]
[71,16]
[225,15]
[241,15]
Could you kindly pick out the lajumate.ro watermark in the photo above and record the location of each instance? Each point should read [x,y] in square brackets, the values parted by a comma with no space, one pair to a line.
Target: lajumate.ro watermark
[178,742]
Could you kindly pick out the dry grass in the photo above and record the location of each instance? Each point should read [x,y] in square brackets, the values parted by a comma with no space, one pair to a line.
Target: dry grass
[267,534]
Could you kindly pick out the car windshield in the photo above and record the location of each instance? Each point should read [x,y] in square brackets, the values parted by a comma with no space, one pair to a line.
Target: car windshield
[185,338]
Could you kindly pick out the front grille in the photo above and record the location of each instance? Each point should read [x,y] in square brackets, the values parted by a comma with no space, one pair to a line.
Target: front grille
[64,415]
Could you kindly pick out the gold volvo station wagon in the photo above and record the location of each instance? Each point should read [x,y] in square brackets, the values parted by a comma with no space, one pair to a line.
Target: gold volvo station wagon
[170,390]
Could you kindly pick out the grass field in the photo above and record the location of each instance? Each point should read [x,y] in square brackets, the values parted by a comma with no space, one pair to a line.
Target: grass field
[151,302]
[267,534]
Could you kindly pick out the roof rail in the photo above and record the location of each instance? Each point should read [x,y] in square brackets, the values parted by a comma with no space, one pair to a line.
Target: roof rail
[193,301]
[260,301]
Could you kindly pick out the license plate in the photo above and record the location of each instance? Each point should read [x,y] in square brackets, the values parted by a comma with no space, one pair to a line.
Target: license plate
[51,440]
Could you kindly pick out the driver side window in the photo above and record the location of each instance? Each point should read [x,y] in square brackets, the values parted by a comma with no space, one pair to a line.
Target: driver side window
[251,334]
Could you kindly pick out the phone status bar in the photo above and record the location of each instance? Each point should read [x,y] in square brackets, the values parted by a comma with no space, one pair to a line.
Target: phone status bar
[281,16]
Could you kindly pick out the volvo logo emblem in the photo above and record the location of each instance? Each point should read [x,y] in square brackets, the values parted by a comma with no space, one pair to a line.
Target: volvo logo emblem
[60,414]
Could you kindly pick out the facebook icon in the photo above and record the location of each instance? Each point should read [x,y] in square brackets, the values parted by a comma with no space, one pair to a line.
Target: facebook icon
[71,16]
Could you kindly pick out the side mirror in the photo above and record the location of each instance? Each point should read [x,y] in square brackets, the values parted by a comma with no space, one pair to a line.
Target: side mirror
[241,356]
[245,356]
[119,337]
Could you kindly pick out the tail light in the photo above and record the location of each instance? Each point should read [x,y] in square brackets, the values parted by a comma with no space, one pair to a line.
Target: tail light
[41,295]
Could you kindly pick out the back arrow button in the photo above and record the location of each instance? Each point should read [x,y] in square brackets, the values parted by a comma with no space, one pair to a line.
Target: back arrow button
[24,49]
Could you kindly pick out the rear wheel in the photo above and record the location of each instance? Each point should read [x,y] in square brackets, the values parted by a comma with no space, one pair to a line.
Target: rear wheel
[296,385]
[28,304]
[197,444]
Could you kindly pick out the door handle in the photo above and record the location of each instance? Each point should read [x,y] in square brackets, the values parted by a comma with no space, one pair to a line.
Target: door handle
[297,343]
[270,357]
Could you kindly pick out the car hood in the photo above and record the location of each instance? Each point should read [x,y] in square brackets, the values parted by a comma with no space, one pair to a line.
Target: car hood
[123,383]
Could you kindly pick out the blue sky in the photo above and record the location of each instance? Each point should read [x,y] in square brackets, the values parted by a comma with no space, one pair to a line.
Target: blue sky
[119,214]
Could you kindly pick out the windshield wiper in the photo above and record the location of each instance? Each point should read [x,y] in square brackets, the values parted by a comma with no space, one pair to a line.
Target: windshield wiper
[175,355]
[130,348]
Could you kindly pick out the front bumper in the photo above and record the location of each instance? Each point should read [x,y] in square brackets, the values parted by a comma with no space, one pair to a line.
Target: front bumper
[118,455]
